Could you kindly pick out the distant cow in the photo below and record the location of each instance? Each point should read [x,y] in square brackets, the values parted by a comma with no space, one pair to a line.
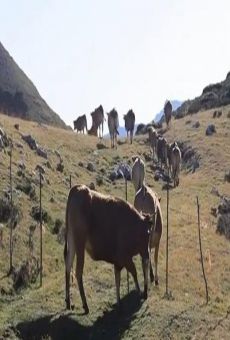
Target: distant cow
[175,163]
[169,154]
[147,202]
[162,151]
[80,124]
[113,124]
[129,124]
[138,173]
[97,122]
[168,112]
[111,230]
[153,140]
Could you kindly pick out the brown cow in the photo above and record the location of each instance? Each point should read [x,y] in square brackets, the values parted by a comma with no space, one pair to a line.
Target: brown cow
[80,124]
[153,140]
[169,154]
[97,122]
[113,124]
[111,230]
[129,124]
[162,150]
[176,162]
[168,112]
[147,202]
[138,173]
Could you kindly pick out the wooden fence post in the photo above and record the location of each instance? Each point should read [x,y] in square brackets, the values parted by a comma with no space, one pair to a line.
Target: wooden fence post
[11,222]
[167,240]
[126,198]
[41,254]
[201,253]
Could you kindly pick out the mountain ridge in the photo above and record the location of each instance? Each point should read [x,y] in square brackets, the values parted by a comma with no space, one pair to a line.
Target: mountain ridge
[19,96]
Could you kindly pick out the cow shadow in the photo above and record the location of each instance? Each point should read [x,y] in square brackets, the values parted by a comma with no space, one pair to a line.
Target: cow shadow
[111,325]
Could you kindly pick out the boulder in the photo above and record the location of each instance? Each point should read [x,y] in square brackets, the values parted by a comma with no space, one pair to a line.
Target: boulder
[210,130]
[30,141]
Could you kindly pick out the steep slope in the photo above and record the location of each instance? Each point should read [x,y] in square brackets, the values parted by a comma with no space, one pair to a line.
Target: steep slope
[19,97]
[214,95]
[38,312]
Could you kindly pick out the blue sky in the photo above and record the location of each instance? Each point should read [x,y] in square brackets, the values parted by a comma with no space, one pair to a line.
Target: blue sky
[118,53]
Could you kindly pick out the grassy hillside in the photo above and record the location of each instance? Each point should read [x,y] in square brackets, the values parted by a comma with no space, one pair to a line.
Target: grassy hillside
[38,313]
[212,96]
[14,84]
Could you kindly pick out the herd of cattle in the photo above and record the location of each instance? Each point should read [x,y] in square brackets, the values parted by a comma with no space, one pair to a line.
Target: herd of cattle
[113,230]
[166,154]
[98,119]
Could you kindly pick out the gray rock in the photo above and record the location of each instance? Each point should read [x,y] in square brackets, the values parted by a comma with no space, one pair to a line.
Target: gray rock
[42,153]
[92,186]
[196,125]
[90,167]
[30,141]
[210,130]
[60,167]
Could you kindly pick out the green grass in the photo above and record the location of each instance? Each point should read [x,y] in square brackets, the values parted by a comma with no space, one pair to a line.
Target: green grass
[41,311]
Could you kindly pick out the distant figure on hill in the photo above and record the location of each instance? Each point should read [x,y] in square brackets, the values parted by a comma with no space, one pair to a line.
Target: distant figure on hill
[129,124]
[80,124]
[97,122]
[168,112]
[113,124]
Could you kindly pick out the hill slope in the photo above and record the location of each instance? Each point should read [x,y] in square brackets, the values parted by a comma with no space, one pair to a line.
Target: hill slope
[39,312]
[214,95]
[19,97]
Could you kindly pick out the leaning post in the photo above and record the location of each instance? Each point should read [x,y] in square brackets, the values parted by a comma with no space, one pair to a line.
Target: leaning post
[201,253]
[41,250]
[11,224]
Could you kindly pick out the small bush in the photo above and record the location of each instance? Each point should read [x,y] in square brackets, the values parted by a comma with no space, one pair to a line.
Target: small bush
[35,213]
[27,187]
[99,180]
[57,226]
[10,214]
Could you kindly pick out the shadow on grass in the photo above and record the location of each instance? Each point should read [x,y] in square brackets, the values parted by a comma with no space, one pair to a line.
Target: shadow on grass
[111,325]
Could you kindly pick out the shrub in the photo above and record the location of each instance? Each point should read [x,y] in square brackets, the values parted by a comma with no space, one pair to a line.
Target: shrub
[57,226]
[35,213]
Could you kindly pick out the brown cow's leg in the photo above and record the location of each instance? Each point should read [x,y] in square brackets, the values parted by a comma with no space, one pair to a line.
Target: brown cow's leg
[130,266]
[68,264]
[151,269]
[117,273]
[145,265]
[79,273]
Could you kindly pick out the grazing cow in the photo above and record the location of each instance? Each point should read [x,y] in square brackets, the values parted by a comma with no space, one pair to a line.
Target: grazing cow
[147,202]
[111,230]
[169,154]
[80,124]
[138,173]
[113,124]
[129,119]
[162,150]
[97,122]
[168,112]
[153,140]
[175,163]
